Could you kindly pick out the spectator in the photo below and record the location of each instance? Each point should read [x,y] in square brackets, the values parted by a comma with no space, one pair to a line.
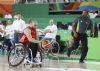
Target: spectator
[18,26]
[8,15]
[92,14]
[9,30]
[9,34]
[98,15]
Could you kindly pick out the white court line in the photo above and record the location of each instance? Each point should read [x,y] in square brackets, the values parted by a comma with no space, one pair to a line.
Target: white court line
[68,69]
[86,62]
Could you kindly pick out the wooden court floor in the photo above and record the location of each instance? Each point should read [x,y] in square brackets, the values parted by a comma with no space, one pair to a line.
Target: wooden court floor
[52,65]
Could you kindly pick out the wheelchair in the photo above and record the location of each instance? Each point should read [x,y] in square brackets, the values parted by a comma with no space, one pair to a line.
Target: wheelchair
[17,55]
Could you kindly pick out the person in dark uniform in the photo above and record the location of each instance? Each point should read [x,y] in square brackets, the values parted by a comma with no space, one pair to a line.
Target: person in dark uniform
[79,29]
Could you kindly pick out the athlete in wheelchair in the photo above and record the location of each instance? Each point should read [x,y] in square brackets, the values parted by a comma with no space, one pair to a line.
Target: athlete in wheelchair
[28,52]
[49,38]
[50,31]
[28,39]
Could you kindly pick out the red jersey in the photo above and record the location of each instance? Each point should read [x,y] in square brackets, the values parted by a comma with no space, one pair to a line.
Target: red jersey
[24,38]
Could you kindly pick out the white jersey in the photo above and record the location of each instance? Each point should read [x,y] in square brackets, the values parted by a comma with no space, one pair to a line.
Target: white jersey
[53,29]
[9,32]
[92,15]
[19,25]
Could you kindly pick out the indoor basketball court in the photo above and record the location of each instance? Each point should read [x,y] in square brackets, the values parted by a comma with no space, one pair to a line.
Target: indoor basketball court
[49,35]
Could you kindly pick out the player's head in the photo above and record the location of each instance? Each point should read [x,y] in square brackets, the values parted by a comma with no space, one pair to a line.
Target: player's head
[9,22]
[51,22]
[32,23]
[85,12]
[18,15]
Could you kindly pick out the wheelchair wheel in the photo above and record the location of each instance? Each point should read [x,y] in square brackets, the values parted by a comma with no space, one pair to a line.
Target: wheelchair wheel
[55,49]
[16,55]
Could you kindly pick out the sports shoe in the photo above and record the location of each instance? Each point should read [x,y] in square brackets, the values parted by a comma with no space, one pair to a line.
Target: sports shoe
[26,60]
[81,61]
[36,61]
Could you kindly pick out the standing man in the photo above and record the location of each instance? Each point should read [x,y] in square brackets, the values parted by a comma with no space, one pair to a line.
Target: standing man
[18,26]
[79,29]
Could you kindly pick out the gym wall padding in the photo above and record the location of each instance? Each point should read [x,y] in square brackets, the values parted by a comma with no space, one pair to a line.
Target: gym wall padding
[31,10]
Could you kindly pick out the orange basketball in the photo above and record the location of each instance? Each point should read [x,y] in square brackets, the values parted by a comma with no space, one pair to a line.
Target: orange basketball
[45,44]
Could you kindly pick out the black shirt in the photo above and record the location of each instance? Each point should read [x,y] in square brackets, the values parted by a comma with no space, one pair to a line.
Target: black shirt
[82,23]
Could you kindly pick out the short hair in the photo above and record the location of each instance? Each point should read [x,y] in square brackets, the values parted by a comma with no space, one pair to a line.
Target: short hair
[30,21]
[9,20]
[51,20]
[86,11]
[18,13]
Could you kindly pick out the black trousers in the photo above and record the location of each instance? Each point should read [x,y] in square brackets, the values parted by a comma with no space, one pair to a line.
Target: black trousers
[8,43]
[84,42]
[33,47]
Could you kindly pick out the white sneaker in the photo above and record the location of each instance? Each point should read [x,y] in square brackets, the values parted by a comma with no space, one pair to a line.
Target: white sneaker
[36,61]
[27,61]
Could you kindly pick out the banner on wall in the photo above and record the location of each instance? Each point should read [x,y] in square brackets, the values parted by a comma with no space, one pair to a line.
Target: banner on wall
[7,2]
[6,6]
[74,6]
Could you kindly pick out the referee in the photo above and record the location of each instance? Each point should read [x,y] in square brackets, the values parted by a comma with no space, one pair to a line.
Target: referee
[79,29]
